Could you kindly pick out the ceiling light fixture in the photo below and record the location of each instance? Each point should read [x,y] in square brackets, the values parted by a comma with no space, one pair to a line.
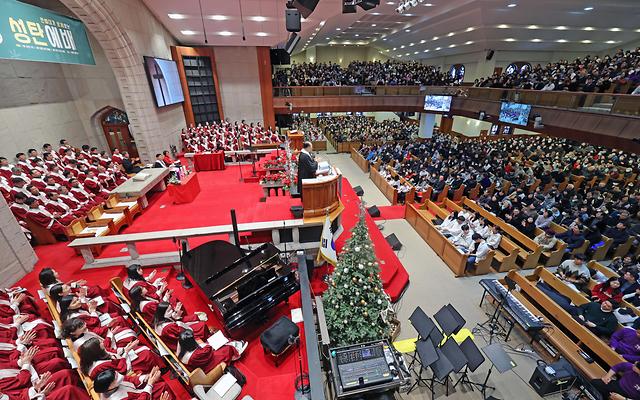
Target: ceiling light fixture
[511,5]
[374,25]
[532,27]
[415,52]
[402,47]
[225,33]
[407,30]
[503,26]
[587,41]
[471,29]
[615,29]
[561,28]
[188,32]
[561,41]
[218,17]
[610,42]
[450,34]
[438,48]
[176,16]
[435,38]
[452,46]
[338,29]
[536,40]
[509,40]
[428,5]
[588,28]
[588,8]
[258,18]
[323,22]
[469,42]
[422,41]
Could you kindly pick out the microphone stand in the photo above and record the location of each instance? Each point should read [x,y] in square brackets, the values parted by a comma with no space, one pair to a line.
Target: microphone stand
[301,383]
[181,253]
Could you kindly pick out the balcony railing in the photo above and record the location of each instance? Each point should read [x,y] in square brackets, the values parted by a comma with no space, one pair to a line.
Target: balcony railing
[605,103]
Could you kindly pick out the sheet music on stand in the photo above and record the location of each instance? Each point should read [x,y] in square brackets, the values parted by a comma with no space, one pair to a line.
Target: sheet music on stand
[323,167]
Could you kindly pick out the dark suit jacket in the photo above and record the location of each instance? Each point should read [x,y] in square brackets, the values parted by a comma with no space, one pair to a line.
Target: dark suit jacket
[158,165]
[129,168]
[307,167]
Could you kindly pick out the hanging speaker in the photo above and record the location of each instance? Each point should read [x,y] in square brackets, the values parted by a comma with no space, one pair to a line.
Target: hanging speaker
[394,242]
[373,211]
[293,41]
[292,20]
[490,54]
[305,7]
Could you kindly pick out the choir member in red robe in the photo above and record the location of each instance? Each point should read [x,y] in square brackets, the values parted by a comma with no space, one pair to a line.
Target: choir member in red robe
[169,329]
[94,358]
[58,290]
[44,218]
[156,289]
[18,382]
[201,355]
[114,386]
[18,207]
[26,302]
[71,307]
[49,277]
[114,339]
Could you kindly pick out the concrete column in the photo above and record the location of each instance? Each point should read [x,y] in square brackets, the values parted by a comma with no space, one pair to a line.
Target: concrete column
[427,122]
[18,257]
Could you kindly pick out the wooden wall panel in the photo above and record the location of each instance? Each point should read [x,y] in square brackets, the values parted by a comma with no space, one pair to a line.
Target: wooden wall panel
[266,86]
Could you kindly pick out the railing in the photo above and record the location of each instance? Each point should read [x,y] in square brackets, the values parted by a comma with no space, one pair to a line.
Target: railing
[605,103]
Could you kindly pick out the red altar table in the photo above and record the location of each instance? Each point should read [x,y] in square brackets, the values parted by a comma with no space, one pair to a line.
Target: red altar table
[186,191]
[209,161]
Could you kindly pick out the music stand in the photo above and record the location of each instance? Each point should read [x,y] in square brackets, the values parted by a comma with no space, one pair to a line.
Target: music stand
[474,360]
[454,354]
[426,355]
[436,337]
[448,320]
[500,360]
[441,370]
[423,325]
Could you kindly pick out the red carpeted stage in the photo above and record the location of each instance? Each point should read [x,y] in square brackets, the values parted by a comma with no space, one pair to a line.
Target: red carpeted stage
[221,191]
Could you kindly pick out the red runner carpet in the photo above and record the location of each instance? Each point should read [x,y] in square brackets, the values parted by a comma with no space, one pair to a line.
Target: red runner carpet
[221,191]
[390,212]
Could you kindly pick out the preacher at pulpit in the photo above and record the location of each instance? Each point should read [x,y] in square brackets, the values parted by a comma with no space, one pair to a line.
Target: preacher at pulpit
[307,165]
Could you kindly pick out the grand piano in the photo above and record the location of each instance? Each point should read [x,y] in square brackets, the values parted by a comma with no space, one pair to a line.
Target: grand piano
[242,285]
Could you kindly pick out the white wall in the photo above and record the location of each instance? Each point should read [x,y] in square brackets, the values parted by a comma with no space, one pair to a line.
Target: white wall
[18,257]
[342,54]
[237,69]
[45,102]
[469,126]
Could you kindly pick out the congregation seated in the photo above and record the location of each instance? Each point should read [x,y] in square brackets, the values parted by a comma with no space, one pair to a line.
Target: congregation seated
[356,128]
[617,73]
[389,72]
[312,132]
[225,136]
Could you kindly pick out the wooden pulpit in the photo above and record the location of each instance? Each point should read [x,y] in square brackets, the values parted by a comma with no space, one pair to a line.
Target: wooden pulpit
[297,139]
[321,194]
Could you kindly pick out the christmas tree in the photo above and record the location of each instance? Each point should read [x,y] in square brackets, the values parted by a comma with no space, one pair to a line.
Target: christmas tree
[355,304]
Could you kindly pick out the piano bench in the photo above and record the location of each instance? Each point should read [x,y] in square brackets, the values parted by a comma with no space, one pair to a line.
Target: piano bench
[279,338]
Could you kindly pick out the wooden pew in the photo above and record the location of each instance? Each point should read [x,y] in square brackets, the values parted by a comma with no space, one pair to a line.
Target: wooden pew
[541,305]
[41,234]
[420,218]
[387,190]
[457,195]
[86,381]
[534,186]
[602,251]
[624,248]
[190,378]
[475,192]
[359,160]
[553,257]
[609,273]
[443,194]
[530,252]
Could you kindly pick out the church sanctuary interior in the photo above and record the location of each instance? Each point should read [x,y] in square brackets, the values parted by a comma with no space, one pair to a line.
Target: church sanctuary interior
[319,199]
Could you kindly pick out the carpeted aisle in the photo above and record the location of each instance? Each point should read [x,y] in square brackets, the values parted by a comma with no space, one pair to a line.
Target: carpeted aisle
[221,191]
[390,212]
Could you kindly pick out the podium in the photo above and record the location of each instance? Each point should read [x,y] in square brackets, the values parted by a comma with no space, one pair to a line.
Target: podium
[321,194]
[297,139]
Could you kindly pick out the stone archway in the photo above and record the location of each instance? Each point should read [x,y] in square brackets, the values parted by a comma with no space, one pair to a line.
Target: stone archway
[127,67]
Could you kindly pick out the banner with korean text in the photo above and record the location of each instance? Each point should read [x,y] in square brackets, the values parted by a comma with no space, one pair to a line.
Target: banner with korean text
[34,34]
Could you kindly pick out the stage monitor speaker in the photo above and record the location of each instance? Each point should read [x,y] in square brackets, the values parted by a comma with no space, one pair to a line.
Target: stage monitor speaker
[490,54]
[545,383]
[292,20]
[369,4]
[348,9]
[373,211]
[359,191]
[293,41]
[297,211]
[280,57]
[394,242]
[305,7]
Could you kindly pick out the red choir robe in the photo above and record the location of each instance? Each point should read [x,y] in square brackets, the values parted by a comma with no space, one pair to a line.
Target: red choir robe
[13,381]
[207,359]
[94,186]
[142,363]
[19,211]
[170,331]
[117,158]
[45,219]
[93,320]
[39,183]
[132,388]
[27,306]
[65,217]
[84,196]
[68,392]
[6,172]
[24,166]
[74,204]
[49,358]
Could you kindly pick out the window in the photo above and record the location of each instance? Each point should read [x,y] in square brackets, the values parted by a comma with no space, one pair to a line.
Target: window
[457,72]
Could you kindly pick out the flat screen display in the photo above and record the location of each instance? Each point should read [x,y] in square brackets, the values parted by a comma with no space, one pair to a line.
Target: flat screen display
[164,80]
[437,103]
[514,113]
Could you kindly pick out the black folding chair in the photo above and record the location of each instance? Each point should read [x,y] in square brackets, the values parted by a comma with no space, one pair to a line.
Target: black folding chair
[474,360]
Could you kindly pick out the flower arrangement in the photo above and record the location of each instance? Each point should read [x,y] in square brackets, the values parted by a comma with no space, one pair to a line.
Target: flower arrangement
[281,177]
